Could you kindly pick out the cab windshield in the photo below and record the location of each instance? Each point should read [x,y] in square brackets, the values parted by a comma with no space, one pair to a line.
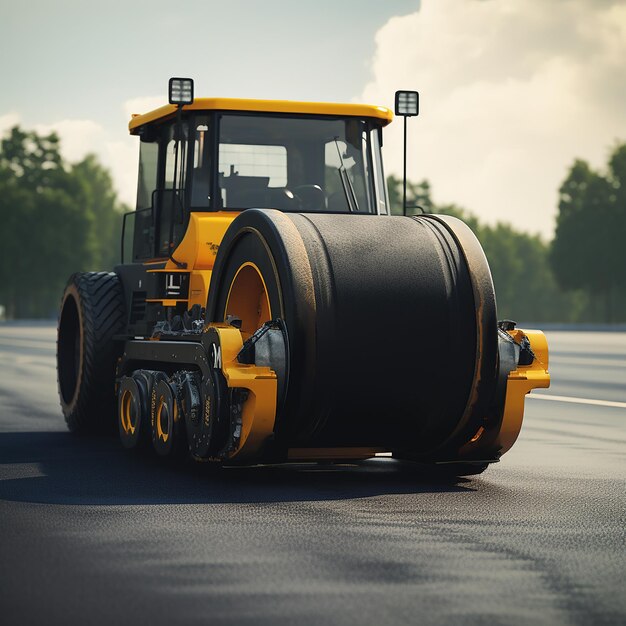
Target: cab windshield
[291,163]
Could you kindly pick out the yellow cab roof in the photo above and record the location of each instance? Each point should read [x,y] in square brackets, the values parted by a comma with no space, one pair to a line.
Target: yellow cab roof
[382,114]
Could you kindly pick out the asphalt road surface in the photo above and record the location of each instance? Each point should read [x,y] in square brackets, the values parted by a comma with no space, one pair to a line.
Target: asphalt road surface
[92,534]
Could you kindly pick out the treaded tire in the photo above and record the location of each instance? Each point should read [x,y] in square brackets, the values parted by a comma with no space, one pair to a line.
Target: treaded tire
[133,410]
[92,313]
[169,438]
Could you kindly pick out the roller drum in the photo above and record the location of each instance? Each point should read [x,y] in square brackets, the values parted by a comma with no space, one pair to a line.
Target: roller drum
[391,324]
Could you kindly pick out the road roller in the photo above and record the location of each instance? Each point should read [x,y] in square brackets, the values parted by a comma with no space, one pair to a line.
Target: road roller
[269,308]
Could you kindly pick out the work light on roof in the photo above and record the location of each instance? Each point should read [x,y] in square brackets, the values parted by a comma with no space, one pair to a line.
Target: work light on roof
[181,91]
[407,103]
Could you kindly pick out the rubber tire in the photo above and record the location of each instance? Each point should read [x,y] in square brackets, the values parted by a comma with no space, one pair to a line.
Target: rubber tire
[145,382]
[176,444]
[92,314]
[138,386]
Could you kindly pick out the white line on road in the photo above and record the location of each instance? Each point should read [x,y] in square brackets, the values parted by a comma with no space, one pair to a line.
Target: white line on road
[540,396]
[591,362]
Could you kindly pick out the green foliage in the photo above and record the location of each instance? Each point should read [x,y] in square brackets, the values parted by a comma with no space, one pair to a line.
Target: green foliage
[33,160]
[96,191]
[58,219]
[417,195]
[617,169]
[588,252]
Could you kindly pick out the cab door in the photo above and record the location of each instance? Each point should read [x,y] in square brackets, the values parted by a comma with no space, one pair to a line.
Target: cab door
[161,215]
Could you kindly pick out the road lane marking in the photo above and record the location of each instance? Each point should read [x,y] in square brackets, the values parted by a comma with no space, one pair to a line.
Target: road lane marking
[540,396]
[593,362]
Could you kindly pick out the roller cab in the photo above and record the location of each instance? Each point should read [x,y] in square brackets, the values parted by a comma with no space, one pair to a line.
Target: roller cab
[270,309]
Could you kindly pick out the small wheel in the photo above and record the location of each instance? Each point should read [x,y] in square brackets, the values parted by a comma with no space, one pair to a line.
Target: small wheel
[133,409]
[168,437]
[92,314]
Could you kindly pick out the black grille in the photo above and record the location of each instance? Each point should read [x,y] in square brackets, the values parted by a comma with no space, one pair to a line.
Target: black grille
[138,306]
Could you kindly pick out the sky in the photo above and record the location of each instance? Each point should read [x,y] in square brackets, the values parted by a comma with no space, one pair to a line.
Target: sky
[511,91]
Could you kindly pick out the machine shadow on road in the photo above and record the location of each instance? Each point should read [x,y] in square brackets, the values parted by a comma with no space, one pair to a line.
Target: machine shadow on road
[60,468]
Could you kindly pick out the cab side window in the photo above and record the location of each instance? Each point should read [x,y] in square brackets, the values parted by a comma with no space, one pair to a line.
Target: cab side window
[143,239]
[147,183]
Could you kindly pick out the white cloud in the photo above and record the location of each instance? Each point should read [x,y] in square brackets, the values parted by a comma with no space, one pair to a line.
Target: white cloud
[511,92]
[7,121]
[78,137]
[143,104]
[117,151]
[123,161]
[119,155]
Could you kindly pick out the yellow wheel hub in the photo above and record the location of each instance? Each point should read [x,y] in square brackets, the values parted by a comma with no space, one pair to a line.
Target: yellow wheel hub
[163,435]
[248,299]
[127,413]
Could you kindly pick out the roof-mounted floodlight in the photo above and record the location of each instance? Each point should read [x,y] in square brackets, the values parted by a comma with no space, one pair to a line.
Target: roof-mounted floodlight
[407,105]
[181,91]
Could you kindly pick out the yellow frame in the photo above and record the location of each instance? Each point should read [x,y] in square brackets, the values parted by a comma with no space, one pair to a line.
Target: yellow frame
[382,114]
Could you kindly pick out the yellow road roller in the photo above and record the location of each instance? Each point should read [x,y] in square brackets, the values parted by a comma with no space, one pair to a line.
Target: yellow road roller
[268,307]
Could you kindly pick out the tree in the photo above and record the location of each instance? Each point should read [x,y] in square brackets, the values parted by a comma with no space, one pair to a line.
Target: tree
[31,159]
[617,169]
[58,218]
[96,192]
[588,251]
[417,194]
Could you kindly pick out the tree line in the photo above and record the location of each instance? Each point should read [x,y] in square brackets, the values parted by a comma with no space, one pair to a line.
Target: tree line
[57,218]
[60,217]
